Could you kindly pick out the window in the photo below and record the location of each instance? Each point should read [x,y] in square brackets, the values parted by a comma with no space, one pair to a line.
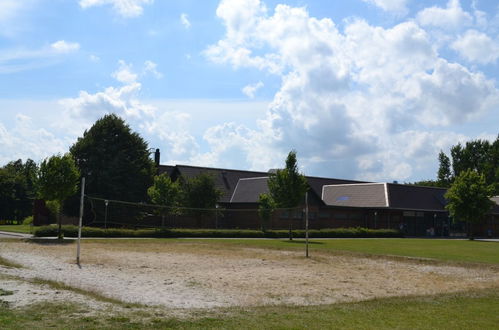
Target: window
[324,214]
[409,214]
[355,216]
[340,216]
[284,215]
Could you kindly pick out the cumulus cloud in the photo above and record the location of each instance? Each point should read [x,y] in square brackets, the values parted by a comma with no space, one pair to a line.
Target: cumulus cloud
[63,46]
[477,46]
[124,8]
[395,6]
[452,17]
[250,90]
[346,96]
[184,19]
[26,140]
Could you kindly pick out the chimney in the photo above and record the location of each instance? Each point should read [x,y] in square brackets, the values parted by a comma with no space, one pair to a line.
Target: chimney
[156,158]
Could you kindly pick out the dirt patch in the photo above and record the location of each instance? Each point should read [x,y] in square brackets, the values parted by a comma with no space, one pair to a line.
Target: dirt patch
[200,275]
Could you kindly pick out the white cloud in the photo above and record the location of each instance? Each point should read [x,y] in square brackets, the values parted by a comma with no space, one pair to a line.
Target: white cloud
[26,140]
[124,8]
[346,96]
[453,17]
[151,67]
[250,90]
[184,19]
[124,74]
[395,6]
[21,59]
[64,47]
[476,46]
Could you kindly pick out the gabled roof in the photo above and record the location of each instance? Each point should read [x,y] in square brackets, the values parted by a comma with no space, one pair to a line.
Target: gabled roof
[248,190]
[225,179]
[372,195]
[168,169]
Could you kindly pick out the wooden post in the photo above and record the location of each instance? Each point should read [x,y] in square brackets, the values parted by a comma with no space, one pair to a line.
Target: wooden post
[81,220]
[306,224]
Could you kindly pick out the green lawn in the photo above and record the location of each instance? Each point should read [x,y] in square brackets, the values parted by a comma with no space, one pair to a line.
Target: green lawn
[470,310]
[16,228]
[445,250]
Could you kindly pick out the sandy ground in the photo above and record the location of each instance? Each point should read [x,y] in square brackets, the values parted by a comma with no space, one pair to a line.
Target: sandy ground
[200,275]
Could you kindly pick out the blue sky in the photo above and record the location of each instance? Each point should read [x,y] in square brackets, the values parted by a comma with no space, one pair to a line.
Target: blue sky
[365,89]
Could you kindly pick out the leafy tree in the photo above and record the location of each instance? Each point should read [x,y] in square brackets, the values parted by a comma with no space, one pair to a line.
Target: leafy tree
[166,193]
[444,172]
[266,207]
[114,161]
[287,186]
[469,198]
[57,180]
[426,183]
[200,192]
[17,189]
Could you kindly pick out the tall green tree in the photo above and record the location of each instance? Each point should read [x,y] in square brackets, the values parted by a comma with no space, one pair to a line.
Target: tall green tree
[166,193]
[114,161]
[200,193]
[57,180]
[17,189]
[444,172]
[469,198]
[287,186]
[266,207]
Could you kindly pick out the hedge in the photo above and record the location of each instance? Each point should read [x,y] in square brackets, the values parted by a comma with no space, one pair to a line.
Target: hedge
[72,231]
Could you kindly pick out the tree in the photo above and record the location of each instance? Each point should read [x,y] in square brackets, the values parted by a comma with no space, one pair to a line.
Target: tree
[114,161]
[444,173]
[166,193]
[17,189]
[200,193]
[266,207]
[57,180]
[287,186]
[469,198]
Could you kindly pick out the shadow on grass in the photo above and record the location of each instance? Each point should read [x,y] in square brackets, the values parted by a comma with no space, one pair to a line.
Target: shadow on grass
[301,241]
[50,241]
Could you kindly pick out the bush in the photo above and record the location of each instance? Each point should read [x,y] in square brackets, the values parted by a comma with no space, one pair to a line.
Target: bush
[72,231]
[28,220]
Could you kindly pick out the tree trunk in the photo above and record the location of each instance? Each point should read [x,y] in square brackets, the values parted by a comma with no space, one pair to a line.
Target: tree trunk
[59,221]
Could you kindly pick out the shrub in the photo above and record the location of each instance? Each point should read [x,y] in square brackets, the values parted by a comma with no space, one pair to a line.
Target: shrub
[72,231]
[28,220]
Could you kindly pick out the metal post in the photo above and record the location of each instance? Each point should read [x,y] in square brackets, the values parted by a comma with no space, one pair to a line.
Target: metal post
[306,224]
[375,219]
[105,216]
[81,220]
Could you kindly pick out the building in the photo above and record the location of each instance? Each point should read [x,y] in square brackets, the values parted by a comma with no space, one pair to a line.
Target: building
[333,203]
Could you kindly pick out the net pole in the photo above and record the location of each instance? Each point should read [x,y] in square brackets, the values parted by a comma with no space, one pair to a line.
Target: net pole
[306,224]
[81,220]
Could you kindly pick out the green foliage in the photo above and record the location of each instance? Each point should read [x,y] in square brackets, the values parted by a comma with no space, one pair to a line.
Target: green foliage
[287,186]
[165,192]
[17,189]
[426,183]
[444,173]
[478,155]
[28,220]
[266,207]
[469,197]
[58,178]
[200,192]
[72,231]
[114,161]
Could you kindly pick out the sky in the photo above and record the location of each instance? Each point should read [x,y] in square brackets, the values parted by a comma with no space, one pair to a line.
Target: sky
[361,89]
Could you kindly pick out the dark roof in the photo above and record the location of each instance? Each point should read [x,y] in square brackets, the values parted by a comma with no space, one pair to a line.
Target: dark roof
[373,195]
[248,190]
[168,169]
[225,179]
[416,197]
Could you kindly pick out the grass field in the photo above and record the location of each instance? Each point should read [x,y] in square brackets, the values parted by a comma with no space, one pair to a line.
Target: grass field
[16,228]
[470,308]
